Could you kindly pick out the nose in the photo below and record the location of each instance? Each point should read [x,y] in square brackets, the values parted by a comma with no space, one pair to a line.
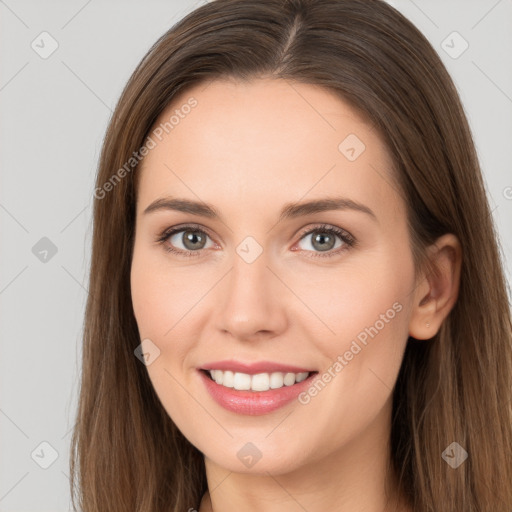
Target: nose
[252,304]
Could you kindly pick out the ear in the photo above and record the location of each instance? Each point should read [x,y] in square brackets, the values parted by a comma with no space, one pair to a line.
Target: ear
[437,292]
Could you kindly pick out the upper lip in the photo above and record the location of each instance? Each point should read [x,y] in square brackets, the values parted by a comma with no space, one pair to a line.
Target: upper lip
[254,368]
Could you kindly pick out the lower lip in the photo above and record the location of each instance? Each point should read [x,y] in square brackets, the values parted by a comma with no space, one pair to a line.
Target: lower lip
[254,403]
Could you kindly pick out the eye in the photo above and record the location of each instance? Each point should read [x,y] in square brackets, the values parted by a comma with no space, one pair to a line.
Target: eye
[191,238]
[323,240]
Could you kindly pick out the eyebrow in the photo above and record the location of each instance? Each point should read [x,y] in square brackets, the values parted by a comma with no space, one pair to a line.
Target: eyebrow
[289,211]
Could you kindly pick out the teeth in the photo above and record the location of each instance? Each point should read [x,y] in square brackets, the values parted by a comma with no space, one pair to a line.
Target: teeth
[258,382]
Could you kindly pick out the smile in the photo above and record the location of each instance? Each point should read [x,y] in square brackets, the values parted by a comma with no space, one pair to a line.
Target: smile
[258,382]
[255,393]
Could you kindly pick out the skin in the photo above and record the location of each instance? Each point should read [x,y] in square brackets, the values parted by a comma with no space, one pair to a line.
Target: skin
[249,148]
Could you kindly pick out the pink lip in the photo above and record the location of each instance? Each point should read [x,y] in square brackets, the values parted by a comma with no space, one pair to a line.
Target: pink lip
[254,403]
[254,368]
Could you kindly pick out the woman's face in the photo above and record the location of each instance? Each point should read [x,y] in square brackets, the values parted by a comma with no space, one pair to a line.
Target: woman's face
[260,285]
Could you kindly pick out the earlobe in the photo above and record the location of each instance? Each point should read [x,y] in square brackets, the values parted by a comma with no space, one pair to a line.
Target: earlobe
[435,297]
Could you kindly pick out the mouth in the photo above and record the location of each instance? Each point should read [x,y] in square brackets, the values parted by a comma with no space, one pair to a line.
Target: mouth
[259,382]
[255,393]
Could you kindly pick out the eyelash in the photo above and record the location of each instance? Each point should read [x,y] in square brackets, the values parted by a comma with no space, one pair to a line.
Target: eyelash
[346,237]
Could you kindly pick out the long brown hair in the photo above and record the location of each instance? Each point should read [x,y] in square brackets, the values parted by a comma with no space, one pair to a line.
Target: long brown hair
[127,455]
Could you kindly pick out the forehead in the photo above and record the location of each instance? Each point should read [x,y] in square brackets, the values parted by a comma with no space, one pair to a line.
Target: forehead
[263,141]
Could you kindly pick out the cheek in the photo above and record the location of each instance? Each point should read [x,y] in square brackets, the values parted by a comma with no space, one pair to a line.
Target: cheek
[369,291]
[157,305]
[160,302]
[367,308]
[168,302]
[161,295]
[149,305]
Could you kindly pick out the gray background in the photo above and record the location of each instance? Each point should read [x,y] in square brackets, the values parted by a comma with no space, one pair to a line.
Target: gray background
[54,114]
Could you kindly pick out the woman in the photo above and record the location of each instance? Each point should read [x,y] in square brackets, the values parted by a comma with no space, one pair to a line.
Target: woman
[296,295]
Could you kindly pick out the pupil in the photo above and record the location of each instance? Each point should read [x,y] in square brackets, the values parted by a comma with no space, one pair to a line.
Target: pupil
[192,237]
[322,238]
